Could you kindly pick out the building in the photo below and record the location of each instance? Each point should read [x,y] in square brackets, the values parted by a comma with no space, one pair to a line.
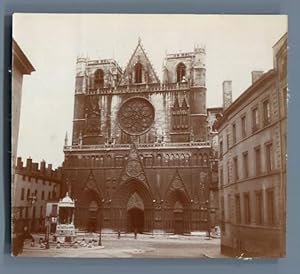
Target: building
[20,66]
[252,163]
[35,185]
[154,174]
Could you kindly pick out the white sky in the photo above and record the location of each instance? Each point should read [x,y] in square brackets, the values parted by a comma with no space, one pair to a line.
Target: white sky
[235,45]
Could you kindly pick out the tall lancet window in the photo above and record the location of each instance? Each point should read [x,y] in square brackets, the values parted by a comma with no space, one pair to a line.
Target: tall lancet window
[180,72]
[99,78]
[138,69]
[180,115]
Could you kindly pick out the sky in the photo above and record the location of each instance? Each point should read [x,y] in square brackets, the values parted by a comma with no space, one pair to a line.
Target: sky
[235,45]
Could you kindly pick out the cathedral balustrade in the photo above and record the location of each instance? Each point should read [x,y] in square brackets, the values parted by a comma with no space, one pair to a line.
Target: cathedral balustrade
[152,155]
[206,144]
[151,88]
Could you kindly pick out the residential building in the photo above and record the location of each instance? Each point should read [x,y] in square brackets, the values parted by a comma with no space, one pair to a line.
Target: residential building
[35,185]
[252,164]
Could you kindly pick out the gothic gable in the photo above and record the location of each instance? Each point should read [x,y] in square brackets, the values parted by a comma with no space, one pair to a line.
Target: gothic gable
[176,184]
[91,184]
[133,168]
[139,69]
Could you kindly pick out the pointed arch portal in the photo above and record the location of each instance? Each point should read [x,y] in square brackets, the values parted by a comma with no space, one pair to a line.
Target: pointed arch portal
[135,213]
[89,211]
[133,206]
[178,206]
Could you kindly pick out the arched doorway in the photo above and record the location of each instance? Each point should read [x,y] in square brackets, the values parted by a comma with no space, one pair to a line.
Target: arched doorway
[135,213]
[88,211]
[178,213]
[132,204]
[178,218]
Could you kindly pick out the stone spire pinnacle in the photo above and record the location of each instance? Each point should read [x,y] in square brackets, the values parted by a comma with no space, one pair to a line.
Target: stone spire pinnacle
[66,139]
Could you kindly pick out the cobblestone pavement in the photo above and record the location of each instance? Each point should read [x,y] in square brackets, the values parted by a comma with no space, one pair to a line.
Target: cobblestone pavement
[145,246]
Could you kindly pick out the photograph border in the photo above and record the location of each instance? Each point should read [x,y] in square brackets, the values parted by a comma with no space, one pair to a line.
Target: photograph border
[287,265]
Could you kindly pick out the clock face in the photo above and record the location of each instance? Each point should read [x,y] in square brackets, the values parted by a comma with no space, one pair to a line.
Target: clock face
[136,116]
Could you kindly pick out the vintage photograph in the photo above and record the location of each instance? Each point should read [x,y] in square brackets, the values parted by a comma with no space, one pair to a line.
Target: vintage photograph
[149,135]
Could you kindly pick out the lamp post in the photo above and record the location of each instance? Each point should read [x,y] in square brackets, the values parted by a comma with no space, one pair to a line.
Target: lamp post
[100,223]
[208,208]
[119,223]
[153,217]
[162,215]
[190,227]
[48,223]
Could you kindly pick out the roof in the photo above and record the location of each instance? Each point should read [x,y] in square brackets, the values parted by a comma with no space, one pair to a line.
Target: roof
[66,201]
[139,55]
[20,59]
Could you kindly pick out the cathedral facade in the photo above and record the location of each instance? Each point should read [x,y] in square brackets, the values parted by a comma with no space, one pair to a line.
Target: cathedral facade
[140,158]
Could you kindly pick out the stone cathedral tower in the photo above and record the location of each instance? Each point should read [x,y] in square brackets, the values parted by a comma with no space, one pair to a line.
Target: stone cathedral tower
[158,180]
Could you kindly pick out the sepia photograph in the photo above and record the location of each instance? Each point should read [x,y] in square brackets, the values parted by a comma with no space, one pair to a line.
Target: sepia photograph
[149,135]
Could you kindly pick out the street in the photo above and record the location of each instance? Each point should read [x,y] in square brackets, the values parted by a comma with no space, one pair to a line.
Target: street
[145,246]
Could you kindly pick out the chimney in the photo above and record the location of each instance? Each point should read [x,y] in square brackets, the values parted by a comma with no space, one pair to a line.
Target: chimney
[43,167]
[29,163]
[50,167]
[19,163]
[227,94]
[255,75]
[49,170]
[35,167]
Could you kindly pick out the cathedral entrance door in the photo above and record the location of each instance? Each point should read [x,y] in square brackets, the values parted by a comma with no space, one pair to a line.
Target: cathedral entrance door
[178,218]
[136,220]
[178,222]
[135,213]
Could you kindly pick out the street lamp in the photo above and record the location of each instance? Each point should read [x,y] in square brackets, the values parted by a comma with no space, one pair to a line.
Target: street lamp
[190,223]
[153,217]
[162,214]
[119,223]
[47,236]
[208,217]
[100,223]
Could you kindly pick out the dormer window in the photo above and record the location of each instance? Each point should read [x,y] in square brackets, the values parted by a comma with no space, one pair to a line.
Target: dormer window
[99,78]
[138,73]
[180,72]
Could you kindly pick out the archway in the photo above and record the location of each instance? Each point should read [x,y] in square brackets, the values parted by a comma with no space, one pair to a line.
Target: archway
[178,213]
[135,213]
[88,211]
[132,204]
[180,70]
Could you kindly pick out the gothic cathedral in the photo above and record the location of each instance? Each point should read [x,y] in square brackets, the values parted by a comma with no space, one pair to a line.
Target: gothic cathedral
[140,158]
